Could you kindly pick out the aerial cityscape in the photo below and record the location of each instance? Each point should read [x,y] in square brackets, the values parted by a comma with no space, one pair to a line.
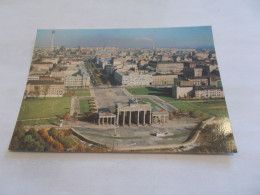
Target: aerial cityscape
[154,90]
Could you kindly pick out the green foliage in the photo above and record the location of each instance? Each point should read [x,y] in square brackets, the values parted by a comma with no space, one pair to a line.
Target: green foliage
[82,92]
[44,107]
[32,145]
[17,138]
[67,143]
[84,106]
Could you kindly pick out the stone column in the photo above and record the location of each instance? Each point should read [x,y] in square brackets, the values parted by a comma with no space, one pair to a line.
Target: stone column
[129,117]
[117,119]
[144,118]
[150,117]
[137,117]
[124,118]
[163,120]
[98,121]
[103,121]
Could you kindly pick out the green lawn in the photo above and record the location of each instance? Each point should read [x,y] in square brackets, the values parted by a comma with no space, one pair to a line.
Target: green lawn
[211,103]
[84,106]
[150,101]
[200,106]
[216,112]
[44,107]
[42,122]
[184,106]
[82,92]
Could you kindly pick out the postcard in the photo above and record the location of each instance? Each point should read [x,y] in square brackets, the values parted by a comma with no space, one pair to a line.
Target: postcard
[142,90]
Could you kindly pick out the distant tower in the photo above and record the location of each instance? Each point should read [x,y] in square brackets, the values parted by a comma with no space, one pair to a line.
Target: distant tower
[52,39]
[155,56]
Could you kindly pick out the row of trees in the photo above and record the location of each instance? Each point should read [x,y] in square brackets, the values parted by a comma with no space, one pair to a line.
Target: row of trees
[39,141]
[37,91]
[95,71]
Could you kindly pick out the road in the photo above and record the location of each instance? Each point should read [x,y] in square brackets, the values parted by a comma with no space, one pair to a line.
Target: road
[160,102]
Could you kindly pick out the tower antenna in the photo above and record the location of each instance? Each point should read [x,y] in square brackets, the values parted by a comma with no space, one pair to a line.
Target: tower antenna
[52,39]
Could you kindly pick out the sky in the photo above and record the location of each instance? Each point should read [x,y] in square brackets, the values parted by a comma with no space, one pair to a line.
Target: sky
[181,37]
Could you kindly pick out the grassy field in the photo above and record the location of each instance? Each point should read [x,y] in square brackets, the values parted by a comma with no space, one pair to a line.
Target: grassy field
[208,107]
[150,101]
[42,122]
[84,106]
[44,107]
[82,92]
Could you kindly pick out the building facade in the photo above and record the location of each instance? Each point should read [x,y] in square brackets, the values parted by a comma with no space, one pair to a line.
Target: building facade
[172,67]
[133,79]
[208,92]
[49,88]
[163,79]
[77,81]
[181,92]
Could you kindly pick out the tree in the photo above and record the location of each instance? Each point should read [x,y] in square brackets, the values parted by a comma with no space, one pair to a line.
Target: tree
[67,116]
[50,140]
[171,116]
[58,147]
[79,148]
[108,83]
[43,132]
[192,113]
[32,145]
[46,89]
[53,132]
[75,114]
[37,91]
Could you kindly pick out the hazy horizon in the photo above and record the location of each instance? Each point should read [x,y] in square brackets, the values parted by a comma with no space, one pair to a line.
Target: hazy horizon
[178,37]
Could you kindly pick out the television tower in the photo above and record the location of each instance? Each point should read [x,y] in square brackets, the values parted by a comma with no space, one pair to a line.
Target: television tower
[52,39]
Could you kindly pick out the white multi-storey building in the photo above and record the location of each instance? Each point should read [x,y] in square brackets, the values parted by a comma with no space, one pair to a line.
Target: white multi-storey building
[77,81]
[133,78]
[208,92]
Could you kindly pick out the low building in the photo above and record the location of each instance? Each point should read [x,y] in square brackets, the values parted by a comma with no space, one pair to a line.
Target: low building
[42,66]
[181,92]
[167,67]
[200,81]
[44,88]
[77,81]
[33,77]
[133,78]
[208,92]
[161,79]
[192,72]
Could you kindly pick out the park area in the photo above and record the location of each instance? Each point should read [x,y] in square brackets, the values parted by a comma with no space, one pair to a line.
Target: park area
[44,107]
[82,92]
[199,107]
[84,106]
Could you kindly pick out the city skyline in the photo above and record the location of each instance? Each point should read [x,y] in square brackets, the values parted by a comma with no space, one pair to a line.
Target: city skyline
[181,37]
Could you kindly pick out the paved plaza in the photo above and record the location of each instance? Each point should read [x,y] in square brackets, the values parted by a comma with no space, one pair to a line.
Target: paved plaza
[134,137]
[107,97]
